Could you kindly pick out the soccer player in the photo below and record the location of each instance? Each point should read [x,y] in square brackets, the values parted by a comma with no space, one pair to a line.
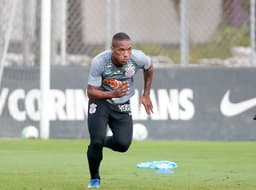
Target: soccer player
[110,87]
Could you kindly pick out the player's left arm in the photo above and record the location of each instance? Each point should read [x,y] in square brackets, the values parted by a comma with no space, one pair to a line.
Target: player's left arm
[145,98]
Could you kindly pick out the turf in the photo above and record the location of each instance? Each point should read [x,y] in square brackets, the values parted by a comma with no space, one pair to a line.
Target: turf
[62,165]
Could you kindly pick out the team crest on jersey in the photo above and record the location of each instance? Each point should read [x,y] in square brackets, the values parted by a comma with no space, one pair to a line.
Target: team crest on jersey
[92,108]
[130,70]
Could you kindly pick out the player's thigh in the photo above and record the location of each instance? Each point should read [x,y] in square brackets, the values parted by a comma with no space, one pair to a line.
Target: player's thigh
[122,127]
[97,119]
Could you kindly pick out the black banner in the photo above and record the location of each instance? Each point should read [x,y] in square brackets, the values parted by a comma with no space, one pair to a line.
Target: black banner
[192,103]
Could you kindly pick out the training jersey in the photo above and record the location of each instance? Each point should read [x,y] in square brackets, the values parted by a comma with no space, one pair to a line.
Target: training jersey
[104,74]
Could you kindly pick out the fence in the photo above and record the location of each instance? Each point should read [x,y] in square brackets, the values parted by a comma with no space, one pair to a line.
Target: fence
[215,29]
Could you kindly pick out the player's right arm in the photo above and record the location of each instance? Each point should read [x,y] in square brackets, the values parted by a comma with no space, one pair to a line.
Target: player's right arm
[94,92]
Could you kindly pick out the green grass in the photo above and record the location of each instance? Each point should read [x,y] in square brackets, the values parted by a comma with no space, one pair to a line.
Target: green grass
[62,165]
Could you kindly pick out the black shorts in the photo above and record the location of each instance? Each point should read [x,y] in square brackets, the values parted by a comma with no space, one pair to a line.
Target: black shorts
[102,114]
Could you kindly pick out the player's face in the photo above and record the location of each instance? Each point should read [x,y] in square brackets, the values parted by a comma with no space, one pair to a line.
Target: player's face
[121,52]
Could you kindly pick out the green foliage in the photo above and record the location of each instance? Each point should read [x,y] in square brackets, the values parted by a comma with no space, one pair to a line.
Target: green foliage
[218,47]
[62,165]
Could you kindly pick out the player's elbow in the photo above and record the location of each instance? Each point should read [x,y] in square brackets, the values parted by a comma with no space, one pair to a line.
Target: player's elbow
[91,92]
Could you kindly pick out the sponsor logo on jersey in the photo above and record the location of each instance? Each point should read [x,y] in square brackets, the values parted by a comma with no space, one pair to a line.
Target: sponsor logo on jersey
[113,83]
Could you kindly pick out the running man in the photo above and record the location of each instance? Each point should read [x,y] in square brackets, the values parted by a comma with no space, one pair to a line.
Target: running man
[110,87]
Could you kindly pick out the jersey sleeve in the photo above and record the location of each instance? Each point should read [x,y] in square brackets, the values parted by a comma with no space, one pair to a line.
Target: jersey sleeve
[142,60]
[95,78]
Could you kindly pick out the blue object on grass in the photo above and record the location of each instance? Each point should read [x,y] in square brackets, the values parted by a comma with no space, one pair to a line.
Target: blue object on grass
[162,167]
[164,171]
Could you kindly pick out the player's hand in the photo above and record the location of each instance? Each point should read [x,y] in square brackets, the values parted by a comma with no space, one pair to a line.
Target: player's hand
[121,90]
[146,102]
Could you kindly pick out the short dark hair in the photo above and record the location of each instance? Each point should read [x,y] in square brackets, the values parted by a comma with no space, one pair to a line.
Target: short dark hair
[121,36]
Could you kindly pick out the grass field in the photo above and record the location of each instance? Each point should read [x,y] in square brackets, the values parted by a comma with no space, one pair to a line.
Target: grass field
[62,165]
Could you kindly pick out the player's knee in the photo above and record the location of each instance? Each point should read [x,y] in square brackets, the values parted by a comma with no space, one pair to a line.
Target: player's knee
[97,143]
[123,146]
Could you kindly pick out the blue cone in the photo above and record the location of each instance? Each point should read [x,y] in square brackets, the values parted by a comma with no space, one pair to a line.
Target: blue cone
[164,171]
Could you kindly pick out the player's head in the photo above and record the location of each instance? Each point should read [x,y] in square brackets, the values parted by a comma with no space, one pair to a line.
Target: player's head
[121,48]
